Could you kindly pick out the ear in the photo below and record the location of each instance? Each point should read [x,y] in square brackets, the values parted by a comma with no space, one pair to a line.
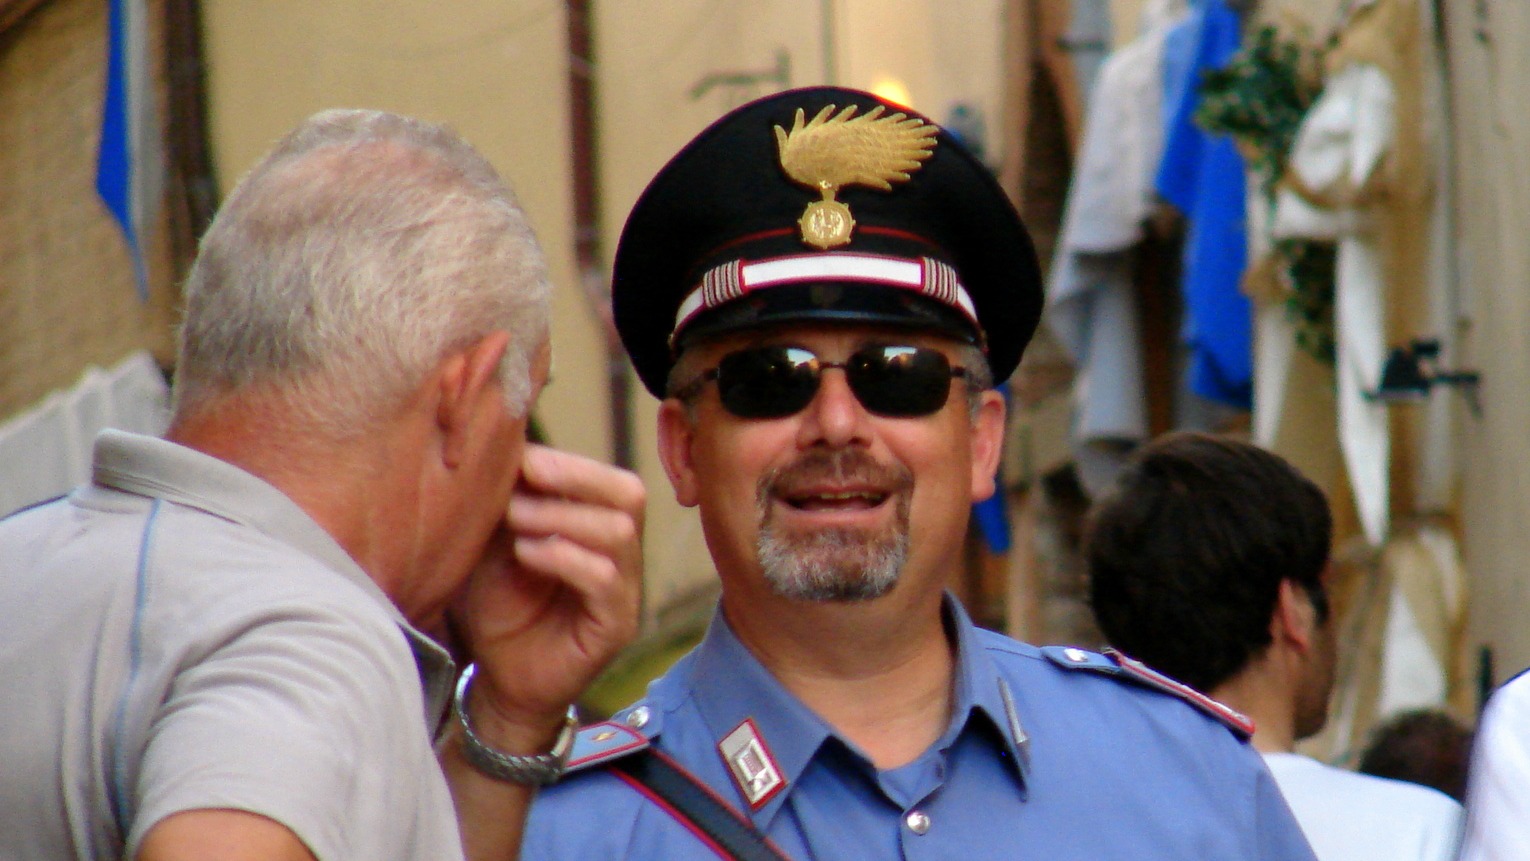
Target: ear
[468,384]
[1295,620]
[676,434]
[987,443]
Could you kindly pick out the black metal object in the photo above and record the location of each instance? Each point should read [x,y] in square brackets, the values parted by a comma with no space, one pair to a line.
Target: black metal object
[1411,372]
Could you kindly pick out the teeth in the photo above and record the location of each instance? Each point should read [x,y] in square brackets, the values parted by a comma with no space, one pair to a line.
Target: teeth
[837,500]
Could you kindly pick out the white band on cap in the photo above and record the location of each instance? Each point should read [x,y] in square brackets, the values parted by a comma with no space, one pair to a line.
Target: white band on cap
[731,280]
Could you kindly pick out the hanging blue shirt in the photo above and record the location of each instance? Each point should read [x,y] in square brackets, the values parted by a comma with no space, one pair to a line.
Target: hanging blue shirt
[1050,754]
[1203,176]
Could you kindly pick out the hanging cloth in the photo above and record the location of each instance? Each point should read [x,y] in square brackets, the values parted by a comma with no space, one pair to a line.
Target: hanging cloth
[1091,306]
[1202,175]
[1358,176]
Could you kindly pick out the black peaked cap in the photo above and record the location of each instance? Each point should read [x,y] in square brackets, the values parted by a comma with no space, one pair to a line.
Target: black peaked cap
[725,197]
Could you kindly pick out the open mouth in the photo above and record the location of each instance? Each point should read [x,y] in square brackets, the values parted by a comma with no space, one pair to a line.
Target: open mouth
[839,500]
[834,488]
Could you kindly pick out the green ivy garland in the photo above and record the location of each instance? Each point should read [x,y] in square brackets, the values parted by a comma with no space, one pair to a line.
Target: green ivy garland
[1259,99]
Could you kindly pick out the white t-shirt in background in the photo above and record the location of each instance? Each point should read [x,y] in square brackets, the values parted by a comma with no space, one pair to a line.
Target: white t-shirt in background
[1358,817]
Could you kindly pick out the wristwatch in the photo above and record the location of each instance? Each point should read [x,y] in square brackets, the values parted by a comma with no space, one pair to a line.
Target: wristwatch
[538,770]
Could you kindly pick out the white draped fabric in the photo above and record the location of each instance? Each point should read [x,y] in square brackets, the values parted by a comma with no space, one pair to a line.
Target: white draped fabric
[45,451]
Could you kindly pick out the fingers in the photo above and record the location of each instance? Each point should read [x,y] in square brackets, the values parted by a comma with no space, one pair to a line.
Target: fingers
[596,551]
[592,525]
[568,499]
[549,472]
[608,587]
[579,522]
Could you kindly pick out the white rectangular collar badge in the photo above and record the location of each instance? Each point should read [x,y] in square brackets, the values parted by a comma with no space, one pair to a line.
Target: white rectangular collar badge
[753,768]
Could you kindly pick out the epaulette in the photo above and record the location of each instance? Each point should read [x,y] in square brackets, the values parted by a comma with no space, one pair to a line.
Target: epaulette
[1113,663]
[600,743]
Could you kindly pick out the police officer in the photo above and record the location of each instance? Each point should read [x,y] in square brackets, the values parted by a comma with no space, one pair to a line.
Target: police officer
[822,287]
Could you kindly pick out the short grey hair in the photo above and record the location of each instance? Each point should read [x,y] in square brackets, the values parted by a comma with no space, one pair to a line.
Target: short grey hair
[687,367]
[361,250]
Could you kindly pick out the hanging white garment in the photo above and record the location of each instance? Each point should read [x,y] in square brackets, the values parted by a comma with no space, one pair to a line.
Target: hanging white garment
[1160,15]
[1428,607]
[1091,305]
[1112,188]
[46,450]
[1339,146]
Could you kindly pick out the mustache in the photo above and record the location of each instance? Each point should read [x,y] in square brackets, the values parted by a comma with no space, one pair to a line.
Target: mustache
[835,466]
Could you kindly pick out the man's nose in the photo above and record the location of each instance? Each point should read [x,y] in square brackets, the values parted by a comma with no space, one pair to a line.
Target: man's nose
[834,417]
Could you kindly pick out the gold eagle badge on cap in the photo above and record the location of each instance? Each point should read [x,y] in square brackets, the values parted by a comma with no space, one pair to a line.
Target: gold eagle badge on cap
[835,150]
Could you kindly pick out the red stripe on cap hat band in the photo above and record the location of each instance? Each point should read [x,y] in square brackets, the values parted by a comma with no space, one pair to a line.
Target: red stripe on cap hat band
[731,280]
[777,232]
[773,233]
[895,232]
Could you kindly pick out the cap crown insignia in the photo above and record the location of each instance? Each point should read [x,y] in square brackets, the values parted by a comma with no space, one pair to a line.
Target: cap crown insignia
[835,150]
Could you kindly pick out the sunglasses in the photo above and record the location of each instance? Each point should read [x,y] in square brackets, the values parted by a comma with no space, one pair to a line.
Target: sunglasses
[774,382]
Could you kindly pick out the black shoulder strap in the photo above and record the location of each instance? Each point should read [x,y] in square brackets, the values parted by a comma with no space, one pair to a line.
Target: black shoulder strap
[696,806]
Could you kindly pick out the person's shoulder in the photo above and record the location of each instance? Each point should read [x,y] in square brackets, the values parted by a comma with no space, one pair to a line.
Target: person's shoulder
[592,810]
[1514,693]
[602,745]
[1506,714]
[1302,775]
[1117,674]
[604,753]
[218,567]
[632,731]
[1423,801]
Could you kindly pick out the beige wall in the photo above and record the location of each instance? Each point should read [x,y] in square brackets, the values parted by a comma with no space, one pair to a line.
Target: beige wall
[67,295]
[496,71]
[1492,138]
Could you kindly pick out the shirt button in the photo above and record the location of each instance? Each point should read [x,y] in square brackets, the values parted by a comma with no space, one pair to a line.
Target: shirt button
[917,822]
[638,717]
[1077,656]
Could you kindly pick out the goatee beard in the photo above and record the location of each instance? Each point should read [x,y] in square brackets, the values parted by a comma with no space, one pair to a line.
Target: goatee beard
[833,564]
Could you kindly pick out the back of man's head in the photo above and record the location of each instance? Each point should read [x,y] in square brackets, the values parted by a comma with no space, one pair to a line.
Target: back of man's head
[363,248]
[1186,554]
[1424,746]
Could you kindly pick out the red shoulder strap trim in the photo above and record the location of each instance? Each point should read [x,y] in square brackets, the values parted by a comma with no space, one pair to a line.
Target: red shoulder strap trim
[1238,721]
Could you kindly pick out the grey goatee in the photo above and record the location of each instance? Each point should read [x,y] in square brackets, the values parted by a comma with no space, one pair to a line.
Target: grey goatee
[842,564]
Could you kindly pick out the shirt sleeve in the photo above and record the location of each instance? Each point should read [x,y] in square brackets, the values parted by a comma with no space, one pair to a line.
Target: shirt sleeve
[295,714]
[1498,796]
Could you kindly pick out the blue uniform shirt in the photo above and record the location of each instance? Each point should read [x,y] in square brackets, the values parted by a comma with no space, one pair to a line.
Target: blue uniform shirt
[1050,754]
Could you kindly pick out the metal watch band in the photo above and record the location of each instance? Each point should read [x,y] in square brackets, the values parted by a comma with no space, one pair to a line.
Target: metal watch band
[538,770]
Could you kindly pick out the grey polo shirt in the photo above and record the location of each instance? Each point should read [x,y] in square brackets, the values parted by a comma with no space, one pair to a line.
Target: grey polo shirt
[179,635]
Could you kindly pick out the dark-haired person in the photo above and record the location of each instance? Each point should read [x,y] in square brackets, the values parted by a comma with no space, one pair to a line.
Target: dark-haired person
[822,288]
[1206,561]
[1425,746]
[221,646]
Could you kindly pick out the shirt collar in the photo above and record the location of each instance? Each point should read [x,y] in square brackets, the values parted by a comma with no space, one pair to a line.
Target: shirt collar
[160,469]
[981,690]
[730,686]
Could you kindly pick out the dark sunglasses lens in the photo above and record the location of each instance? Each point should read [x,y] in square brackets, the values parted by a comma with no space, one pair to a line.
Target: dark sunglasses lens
[900,382]
[767,382]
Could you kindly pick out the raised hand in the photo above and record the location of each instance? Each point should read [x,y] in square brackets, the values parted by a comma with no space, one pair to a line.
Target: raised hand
[555,597]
